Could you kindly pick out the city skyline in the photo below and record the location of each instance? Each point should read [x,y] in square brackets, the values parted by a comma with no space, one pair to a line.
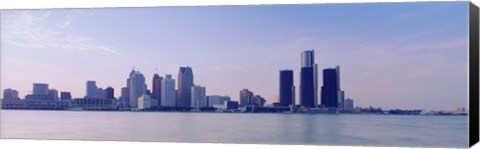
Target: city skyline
[423,57]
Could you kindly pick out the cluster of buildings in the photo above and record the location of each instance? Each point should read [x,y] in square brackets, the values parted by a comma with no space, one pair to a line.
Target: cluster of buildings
[165,92]
[184,93]
[313,98]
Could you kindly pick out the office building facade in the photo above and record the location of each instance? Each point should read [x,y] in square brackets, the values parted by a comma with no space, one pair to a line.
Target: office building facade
[308,80]
[331,87]
[91,90]
[40,89]
[213,100]
[10,94]
[185,83]
[137,88]
[109,93]
[65,96]
[198,97]
[246,97]
[157,87]
[168,96]
[286,97]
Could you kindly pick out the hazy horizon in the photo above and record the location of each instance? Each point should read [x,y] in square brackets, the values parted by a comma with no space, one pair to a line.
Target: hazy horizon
[391,55]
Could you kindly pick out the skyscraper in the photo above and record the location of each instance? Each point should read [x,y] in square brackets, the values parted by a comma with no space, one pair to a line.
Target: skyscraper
[91,89]
[185,83]
[109,91]
[246,97]
[40,89]
[137,88]
[331,87]
[308,80]
[286,85]
[198,97]
[10,94]
[168,98]
[157,88]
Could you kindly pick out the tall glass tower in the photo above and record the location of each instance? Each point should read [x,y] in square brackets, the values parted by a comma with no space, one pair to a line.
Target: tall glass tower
[185,83]
[157,88]
[331,87]
[136,87]
[286,91]
[308,80]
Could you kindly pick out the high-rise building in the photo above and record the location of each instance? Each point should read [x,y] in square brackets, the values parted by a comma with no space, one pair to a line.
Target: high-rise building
[40,89]
[91,89]
[10,94]
[168,98]
[110,93]
[307,90]
[157,87]
[137,88]
[217,100]
[185,83]
[331,87]
[308,80]
[198,97]
[246,97]
[348,106]
[53,94]
[286,84]
[65,96]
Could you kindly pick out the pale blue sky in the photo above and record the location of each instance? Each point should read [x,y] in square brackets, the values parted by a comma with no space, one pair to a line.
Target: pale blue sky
[392,55]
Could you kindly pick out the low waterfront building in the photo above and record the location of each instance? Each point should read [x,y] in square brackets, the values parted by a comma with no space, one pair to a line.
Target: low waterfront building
[232,105]
[348,105]
[95,104]
[144,102]
[10,94]
[216,100]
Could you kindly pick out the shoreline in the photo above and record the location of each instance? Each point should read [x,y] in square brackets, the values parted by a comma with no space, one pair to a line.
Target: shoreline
[210,112]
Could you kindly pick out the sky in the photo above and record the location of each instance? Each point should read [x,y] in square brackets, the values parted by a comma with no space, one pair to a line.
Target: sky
[391,55]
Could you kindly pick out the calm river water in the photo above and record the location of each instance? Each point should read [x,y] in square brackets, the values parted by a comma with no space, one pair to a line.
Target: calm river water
[245,128]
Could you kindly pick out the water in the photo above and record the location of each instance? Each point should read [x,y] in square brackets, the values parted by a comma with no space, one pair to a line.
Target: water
[245,128]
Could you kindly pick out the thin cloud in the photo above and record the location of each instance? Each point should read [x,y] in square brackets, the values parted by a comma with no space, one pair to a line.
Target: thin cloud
[27,29]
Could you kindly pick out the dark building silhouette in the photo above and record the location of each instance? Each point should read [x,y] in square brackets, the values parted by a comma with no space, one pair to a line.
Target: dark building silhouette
[109,93]
[307,92]
[308,80]
[246,97]
[185,83]
[286,85]
[232,105]
[65,96]
[157,88]
[331,87]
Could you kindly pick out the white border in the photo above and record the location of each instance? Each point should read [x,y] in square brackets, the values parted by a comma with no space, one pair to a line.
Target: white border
[62,144]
